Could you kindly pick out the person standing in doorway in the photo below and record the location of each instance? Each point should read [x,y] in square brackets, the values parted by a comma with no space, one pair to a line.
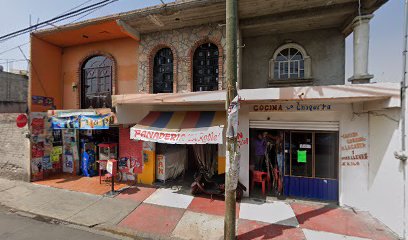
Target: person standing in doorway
[260,147]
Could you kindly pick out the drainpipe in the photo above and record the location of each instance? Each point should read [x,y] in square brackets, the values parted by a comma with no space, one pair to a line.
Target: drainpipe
[402,155]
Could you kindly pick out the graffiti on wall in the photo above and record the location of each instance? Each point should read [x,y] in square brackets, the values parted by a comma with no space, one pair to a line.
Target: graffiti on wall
[353,149]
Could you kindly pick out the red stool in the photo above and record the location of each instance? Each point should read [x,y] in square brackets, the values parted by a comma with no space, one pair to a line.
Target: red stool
[259,177]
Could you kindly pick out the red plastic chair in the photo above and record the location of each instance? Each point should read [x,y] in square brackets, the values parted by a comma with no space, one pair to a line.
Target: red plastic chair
[259,177]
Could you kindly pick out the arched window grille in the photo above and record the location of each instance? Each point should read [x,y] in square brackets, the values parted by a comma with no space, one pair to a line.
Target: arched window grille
[290,62]
[96,82]
[163,71]
[205,68]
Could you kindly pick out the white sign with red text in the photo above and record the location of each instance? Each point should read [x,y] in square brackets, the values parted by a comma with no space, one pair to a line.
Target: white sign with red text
[210,135]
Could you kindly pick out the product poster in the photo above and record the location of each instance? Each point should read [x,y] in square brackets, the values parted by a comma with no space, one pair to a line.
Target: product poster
[95,122]
[68,164]
[56,154]
[36,165]
[65,123]
[131,156]
[46,163]
[70,151]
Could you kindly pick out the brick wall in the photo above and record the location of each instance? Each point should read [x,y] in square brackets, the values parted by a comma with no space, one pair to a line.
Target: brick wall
[183,43]
[14,148]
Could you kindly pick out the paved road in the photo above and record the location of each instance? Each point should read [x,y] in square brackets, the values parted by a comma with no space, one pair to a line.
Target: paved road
[30,227]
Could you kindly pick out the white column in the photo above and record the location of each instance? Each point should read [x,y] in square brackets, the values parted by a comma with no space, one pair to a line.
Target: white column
[361,33]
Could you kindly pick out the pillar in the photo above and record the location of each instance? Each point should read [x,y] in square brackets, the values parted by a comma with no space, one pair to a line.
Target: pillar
[361,33]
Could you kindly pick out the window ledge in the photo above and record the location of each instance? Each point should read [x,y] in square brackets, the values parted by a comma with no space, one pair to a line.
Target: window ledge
[291,82]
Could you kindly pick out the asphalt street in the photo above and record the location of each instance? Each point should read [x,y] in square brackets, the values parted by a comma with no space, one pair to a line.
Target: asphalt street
[21,226]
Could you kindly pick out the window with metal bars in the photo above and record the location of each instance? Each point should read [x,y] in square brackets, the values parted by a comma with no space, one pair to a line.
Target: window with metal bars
[205,68]
[96,82]
[163,71]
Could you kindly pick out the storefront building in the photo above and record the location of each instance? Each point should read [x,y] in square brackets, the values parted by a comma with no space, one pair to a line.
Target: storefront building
[161,72]
[338,141]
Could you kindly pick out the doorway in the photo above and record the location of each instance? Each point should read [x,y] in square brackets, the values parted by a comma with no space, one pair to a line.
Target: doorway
[310,161]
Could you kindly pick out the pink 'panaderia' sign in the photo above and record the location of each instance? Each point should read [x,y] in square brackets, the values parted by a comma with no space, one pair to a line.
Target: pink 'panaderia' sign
[210,135]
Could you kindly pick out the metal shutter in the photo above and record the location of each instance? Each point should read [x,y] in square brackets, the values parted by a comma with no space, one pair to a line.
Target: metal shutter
[319,126]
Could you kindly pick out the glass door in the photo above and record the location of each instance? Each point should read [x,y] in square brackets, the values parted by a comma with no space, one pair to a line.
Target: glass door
[302,154]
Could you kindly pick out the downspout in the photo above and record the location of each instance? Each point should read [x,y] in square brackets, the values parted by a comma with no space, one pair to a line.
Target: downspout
[403,112]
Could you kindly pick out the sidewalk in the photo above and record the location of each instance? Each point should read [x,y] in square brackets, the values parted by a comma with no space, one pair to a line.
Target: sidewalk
[173,214]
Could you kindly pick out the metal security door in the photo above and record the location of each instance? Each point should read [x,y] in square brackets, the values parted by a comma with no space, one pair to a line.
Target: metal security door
[96,88]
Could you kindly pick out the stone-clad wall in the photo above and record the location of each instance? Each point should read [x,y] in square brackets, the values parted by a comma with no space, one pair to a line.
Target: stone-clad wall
[183,43]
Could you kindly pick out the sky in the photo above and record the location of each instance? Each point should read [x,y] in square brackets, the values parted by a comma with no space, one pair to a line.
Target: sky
[386,37]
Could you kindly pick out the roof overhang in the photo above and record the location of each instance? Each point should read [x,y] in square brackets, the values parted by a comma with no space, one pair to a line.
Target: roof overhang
[388,92]
[256,17]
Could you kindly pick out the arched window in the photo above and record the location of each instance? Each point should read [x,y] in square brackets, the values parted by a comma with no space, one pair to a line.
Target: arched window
[96,82]
[163,71]
[290,61]
[205,68]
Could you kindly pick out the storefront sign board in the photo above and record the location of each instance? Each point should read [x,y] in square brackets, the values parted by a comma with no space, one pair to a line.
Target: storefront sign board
[211,135]
[292,107]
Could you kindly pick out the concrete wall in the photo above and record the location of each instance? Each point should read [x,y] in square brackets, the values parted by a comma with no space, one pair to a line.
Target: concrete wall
[325,47]
[385,176]
[14,148]
[124,52]
[13,92]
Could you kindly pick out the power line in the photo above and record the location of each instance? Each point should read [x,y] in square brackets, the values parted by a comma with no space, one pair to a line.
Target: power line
[57,19]
[91,11]
[11,49]
[80,5]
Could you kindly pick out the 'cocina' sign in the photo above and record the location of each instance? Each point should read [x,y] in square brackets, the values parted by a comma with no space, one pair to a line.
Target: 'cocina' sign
[291,107]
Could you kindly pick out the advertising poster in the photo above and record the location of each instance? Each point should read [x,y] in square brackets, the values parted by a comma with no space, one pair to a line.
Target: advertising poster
[70,158]
[130,156]
[46,163]
[95,122]
[65,123]
[68,164]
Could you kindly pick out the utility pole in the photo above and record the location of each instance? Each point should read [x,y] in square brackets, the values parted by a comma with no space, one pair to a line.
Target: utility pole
[231,77]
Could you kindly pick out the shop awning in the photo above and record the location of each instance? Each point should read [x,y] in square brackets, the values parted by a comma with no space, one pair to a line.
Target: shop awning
[191,127]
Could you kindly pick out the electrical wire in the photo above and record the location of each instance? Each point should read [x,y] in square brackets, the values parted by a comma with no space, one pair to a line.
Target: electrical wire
[57,19]
[11,49]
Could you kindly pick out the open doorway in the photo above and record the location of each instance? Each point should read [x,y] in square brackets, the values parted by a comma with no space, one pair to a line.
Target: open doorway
[179,163]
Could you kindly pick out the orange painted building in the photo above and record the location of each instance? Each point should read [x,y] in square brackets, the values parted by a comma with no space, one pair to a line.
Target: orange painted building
[58,56]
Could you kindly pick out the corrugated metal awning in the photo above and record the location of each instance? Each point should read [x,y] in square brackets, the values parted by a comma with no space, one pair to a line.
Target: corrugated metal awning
[191,127]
